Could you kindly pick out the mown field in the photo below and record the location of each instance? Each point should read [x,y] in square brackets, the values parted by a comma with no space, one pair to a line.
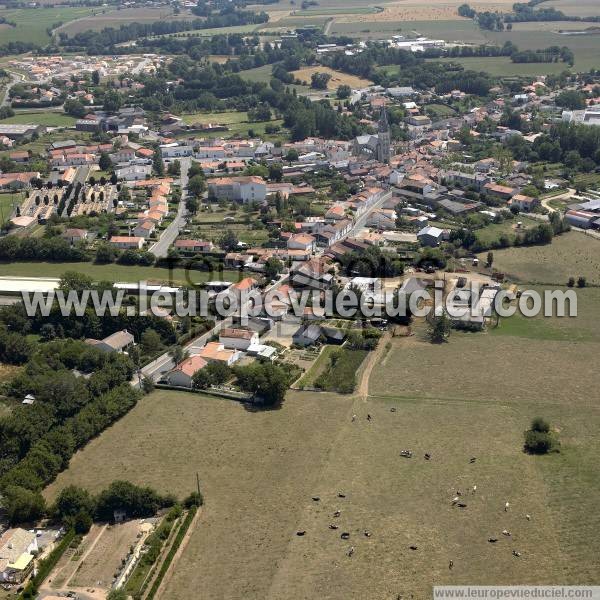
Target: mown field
[579,8]
[114,272]
[502,66]
[237,123]
[32,23]
[48,119]
[570,255]
[6,205]
[116,18]
[337,77]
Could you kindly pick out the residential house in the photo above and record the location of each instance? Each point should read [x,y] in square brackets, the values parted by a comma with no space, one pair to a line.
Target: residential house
[523,202]
[194,246]
[241,189]
[238,339]
[74,236]
[382,218]
[126,242]
[144,229]
[183,374]
[119,341]
[216,352]
[16,555]
[301,241]
[134,172]
[500,192]
[312,274]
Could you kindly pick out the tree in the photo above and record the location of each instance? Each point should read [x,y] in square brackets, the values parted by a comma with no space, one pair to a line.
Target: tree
[174,168]
[273,267]
[571,99]
[571,282]
[157,163]
[275,172]
[581,282]
[266,381]
[319,81]
[71,501]
[228,241]
[105,253]
[23,505]
[151,341]
[539,439]
[197,185]
[192,205]
[96,77]
[178,354]
[104,162]
[439,329]
[75,108]
[490,259]
[344,92]
[112,101]
[292,155]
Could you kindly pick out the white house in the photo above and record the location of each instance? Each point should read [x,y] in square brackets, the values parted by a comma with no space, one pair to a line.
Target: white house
[302,241]
[126,242]
[145,229]
[242,189]
[430,236]
[175,151]
[134,172]
[183,374]
[216,352]
[16,558]
[238,339]
[120,341]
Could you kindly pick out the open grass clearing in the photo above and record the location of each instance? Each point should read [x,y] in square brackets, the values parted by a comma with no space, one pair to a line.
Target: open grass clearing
[115,273]
[572,254]
[7,372]
[211,31]
[577,8]
[48,119]
[317,368]
[337,77]
[493,231]
[7,203]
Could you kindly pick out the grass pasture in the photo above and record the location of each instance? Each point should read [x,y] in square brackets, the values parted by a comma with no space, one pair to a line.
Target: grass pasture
[572,254]
[124,16]
[502,66]
[113,272]
[48,119]
[7,200]
[577,8]
[237,122]
[32,23]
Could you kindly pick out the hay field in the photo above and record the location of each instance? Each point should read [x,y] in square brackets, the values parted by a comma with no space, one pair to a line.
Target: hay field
[569,255]
[337,78]
[579,8]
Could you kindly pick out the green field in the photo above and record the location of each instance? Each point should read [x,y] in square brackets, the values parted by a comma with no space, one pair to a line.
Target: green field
[115,18]
[260,74]
[492,232]
[210,32]
[114,272]
[7,201]
[236,121]
[569,255]
[32,23]
[463,30]
[578,8]
[502,66]
[48,119]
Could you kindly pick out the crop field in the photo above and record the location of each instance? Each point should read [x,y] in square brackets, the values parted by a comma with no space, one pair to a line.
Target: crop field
[578,8]
[572,254]
[32,23]
[502,66]
[6,205]
[337,78]
[116,18]
[48,119]
[114,272]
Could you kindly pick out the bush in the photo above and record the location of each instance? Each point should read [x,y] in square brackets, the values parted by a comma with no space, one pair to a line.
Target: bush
[581,282]
[539,439]
[540,424]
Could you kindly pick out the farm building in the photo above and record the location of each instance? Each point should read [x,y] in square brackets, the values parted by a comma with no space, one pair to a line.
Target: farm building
[238,339]
[117,342]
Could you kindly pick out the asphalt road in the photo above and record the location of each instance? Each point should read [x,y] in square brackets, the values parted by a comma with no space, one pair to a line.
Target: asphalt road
[169,235]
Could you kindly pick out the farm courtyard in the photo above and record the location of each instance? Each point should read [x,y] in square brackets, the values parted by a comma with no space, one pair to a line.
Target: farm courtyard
[471,397]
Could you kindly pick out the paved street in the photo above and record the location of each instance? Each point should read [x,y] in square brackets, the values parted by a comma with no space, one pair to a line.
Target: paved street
[169,235]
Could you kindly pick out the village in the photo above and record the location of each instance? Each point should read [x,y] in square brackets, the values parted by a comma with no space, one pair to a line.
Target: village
[145,176]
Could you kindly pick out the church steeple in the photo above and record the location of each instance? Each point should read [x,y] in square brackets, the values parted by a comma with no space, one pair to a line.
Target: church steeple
[383,146]
[383,124]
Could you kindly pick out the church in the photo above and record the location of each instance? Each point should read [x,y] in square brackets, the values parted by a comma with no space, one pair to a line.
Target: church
[377,146]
